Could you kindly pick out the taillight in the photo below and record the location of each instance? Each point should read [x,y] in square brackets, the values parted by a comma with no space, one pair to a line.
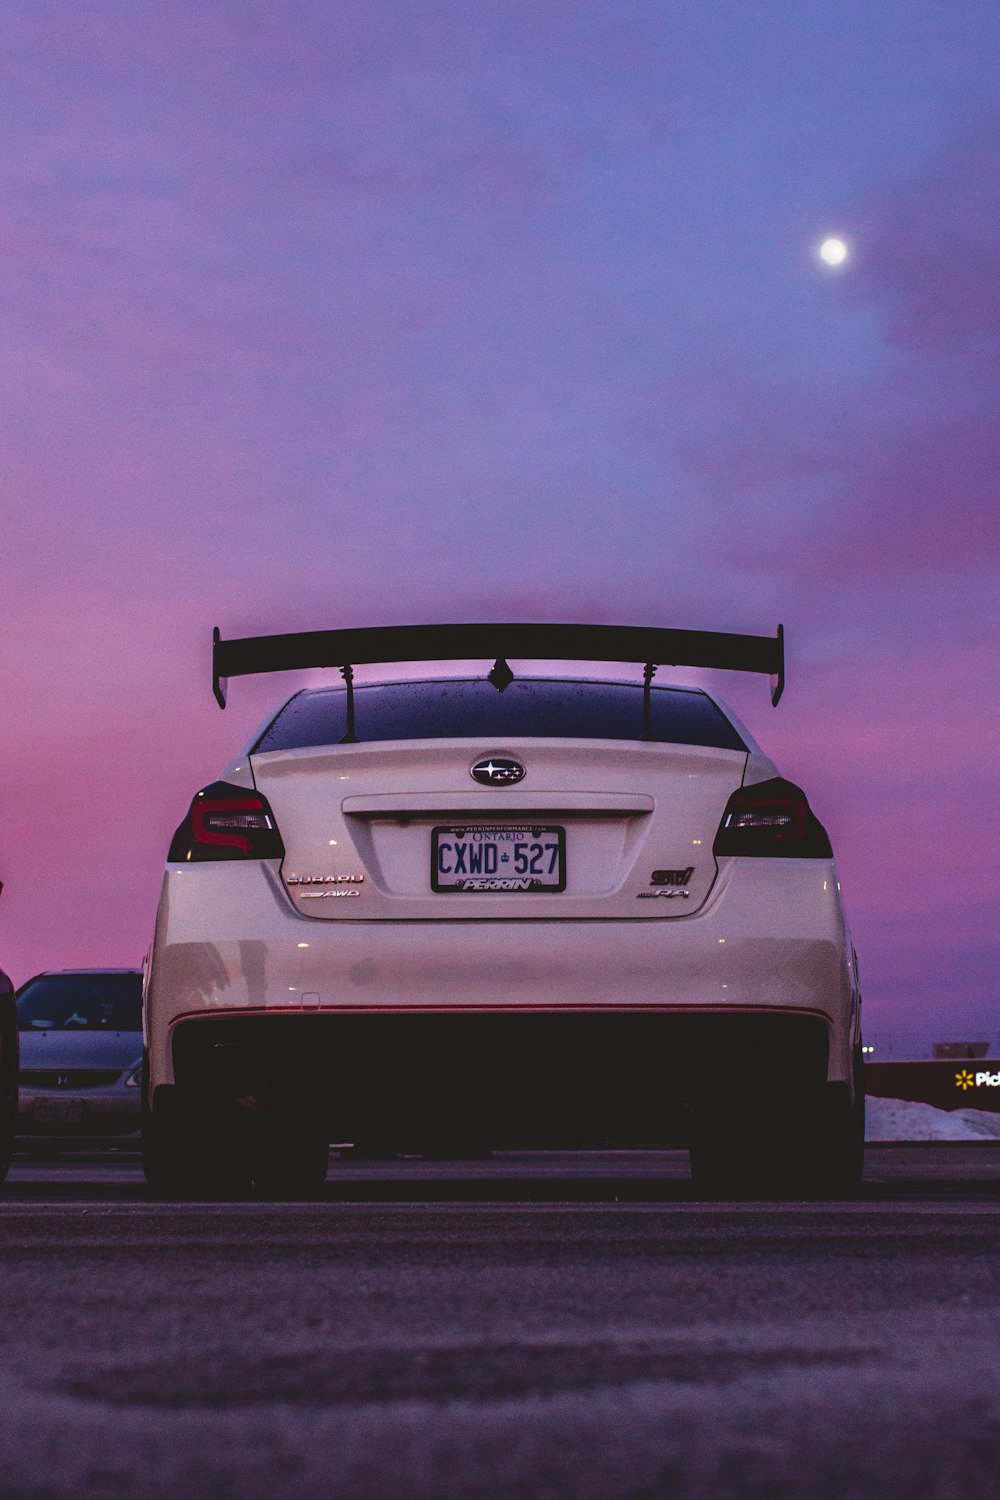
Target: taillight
[227,822]
[771,818]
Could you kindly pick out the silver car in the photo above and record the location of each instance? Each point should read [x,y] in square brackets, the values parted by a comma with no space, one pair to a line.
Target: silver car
[81,1059]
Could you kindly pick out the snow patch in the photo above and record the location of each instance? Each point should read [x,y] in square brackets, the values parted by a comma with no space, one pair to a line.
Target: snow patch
[907,1120]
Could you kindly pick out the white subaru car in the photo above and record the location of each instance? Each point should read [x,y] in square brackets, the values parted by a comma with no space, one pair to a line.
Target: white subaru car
[474,912]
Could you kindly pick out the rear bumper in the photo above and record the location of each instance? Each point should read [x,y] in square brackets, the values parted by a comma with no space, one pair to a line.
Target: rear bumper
[507,1079]
[770,940]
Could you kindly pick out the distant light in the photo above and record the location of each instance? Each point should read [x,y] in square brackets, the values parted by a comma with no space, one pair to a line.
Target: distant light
[833,252]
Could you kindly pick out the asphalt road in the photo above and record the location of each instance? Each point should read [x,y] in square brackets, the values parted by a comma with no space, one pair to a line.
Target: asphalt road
[533,1326]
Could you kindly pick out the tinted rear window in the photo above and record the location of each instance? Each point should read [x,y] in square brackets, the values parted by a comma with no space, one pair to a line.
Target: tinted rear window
[446,708]
[81,1002]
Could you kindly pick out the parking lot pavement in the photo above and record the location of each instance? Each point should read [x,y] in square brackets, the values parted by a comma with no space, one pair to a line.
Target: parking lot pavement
[510,1342]
[618,1176]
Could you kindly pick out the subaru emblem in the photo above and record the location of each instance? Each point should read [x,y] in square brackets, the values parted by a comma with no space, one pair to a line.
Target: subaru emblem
[498,771]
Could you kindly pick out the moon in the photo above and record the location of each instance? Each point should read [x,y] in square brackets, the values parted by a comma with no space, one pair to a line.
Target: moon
[833,251]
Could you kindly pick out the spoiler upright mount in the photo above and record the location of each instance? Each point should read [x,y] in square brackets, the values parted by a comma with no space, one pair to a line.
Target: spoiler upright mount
[346,649]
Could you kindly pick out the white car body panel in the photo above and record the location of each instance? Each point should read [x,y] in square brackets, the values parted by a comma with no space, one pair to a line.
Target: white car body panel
[369,810]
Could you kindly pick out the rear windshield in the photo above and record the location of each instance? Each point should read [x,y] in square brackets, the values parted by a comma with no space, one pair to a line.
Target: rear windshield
[81,1002]
[446,708]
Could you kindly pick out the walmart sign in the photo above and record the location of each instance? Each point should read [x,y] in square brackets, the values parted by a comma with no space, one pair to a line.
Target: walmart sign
[966,1080]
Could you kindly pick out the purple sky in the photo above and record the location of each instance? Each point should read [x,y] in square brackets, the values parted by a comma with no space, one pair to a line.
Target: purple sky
[325,314]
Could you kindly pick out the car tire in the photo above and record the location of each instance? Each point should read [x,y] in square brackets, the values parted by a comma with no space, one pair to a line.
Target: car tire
[370,1150]
[729,1158]
[812,1149]
[185,1157]
[179,1163]
[8,1131]
[42,1150]
[457,1151]
[289,1161]
[842,1152]
[9,1059]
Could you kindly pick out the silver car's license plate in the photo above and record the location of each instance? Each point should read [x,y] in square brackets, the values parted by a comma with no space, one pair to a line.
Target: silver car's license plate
[498,857]
[58,1111]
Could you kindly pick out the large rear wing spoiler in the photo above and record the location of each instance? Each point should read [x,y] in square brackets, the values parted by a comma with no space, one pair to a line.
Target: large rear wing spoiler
[348,649]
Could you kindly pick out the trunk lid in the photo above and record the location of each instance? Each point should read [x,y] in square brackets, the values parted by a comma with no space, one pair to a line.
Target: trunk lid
[401,831]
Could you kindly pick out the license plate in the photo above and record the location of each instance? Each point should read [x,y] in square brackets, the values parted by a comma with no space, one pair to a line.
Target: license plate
[58,1111]
[490,858]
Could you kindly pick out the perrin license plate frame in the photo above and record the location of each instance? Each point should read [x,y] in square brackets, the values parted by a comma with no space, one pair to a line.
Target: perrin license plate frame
[475,859]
